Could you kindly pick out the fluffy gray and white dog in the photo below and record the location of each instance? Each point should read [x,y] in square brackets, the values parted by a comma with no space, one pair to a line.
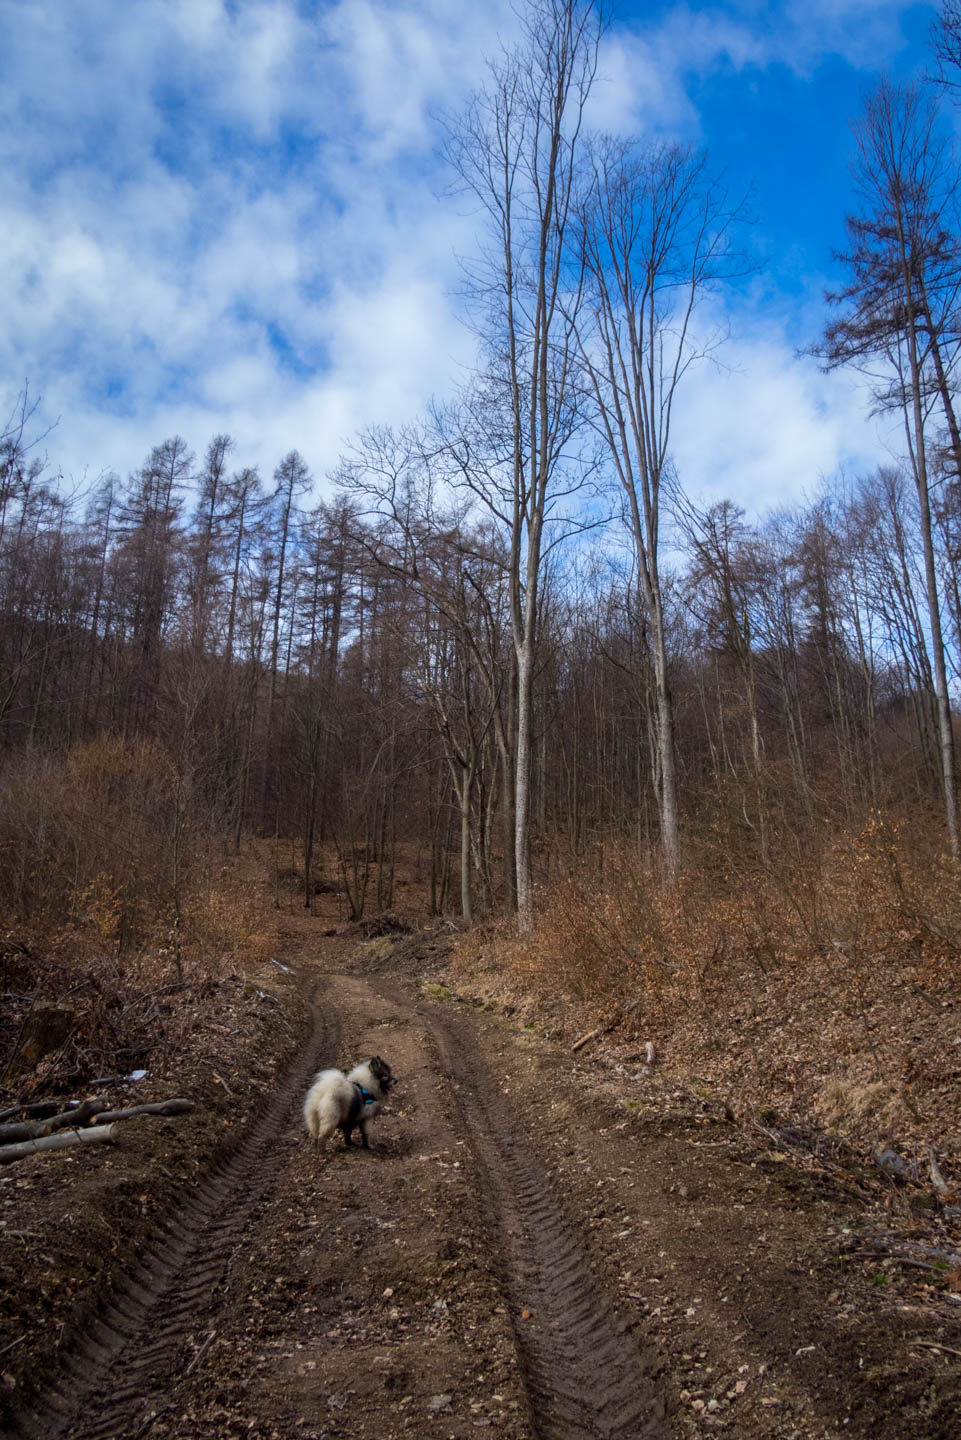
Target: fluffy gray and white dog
[337,1101]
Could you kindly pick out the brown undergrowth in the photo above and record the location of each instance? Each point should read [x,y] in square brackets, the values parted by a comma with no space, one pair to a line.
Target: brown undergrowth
[825,991]
[120,917]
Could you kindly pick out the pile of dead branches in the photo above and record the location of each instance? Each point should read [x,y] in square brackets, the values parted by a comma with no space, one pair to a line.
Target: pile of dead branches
[43,1126]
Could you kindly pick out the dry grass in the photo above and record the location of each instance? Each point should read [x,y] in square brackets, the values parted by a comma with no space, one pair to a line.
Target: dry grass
[827,989]
[116,906]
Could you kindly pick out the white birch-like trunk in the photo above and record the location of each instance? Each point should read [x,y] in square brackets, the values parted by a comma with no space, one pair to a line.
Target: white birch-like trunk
[522,792]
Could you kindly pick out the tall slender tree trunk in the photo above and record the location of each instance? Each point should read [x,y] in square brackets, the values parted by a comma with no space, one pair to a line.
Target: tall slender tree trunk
[942,696]
[522,789]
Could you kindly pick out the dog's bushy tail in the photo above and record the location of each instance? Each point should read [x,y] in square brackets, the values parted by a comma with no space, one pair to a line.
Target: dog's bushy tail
[324,1108]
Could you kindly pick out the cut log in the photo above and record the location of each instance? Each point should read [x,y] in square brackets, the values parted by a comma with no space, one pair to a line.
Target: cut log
[93,1135]
[39,1136]
[40,1109]
[157,1107]
[33,1129]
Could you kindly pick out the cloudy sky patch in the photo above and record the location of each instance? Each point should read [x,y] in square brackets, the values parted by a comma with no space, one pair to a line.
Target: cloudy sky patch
[235,216]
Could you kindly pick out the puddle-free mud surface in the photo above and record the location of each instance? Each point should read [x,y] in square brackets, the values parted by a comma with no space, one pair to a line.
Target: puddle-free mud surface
[524,1250]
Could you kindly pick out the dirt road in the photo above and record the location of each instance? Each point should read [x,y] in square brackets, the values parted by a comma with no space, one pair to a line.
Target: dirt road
[530,1247]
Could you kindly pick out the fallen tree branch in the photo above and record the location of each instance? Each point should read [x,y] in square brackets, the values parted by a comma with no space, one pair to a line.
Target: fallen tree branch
[34,1107]
[814,1160]
[157,1107]
[78,1134]
[91,1136]
[612,1024]
[34,1129]
[592,1035]
[911,1253]
[201,1351]
[933,1345]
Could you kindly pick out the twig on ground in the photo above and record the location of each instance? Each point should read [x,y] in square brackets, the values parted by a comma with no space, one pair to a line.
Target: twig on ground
[591,1035]
[937,1179]
[202,1350]
[599,1030]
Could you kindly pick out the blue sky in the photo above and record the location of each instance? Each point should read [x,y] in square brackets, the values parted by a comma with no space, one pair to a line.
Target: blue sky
[230,215]
[785,128]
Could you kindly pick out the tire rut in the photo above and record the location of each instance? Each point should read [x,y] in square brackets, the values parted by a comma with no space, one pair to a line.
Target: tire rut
[586,1377]
[137,1337]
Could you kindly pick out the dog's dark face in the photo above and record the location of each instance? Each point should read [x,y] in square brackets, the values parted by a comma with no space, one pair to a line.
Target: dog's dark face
[383,1074]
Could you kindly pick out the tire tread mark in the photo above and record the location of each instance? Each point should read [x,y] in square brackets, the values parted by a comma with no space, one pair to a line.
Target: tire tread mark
[145,1320]
[587,1379]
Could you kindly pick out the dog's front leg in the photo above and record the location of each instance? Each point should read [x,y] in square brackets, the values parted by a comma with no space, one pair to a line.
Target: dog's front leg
[363,1136]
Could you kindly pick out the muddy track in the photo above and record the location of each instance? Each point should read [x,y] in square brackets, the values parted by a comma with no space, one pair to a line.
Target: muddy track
[498,1258]
[118,1371]
[586,1376]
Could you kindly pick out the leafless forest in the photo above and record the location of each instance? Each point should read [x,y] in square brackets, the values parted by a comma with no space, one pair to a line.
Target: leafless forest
[509,658]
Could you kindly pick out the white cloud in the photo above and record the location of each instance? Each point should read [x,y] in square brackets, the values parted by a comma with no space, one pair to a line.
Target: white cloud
[149,255]
[645,69]
[866,33]
[641,86]
[765,426]
[226,216]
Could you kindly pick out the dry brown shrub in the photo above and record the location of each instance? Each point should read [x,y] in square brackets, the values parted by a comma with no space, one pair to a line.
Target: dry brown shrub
[98,855]
[632,937]
[881,896]
[592,942]
[892,894]
[117,904]
[825,981]
[86,841]
[138,1006]
[225,925]
[845,1106]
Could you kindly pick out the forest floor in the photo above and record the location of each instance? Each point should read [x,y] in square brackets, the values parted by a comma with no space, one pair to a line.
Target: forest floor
[538,1243]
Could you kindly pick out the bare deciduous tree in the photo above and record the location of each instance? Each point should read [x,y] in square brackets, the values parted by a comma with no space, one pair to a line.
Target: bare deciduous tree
[899,319]
[654,235]
[515,150]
